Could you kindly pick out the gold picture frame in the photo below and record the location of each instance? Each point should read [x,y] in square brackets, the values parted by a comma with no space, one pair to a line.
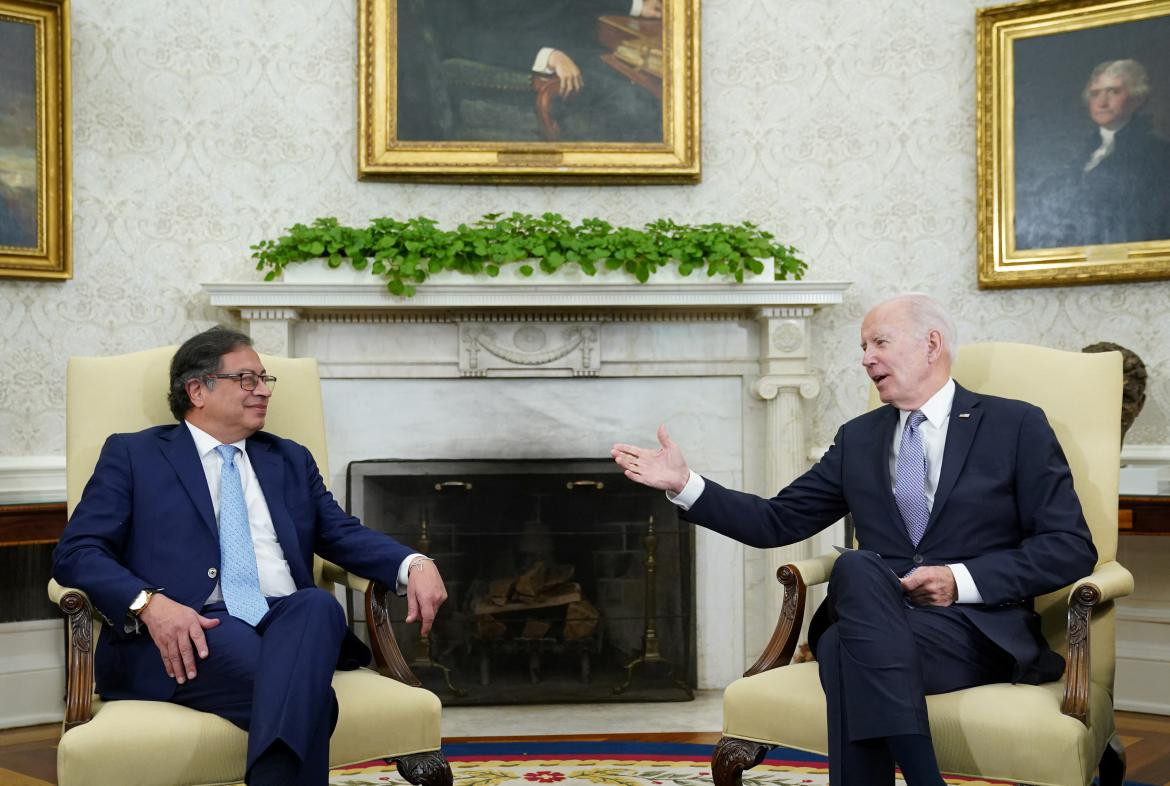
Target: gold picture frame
[35,140]
[1059,200]
[452,90]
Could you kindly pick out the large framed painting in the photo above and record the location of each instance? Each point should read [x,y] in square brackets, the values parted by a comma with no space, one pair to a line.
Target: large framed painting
[529,91]
[1073,142]
[35,202]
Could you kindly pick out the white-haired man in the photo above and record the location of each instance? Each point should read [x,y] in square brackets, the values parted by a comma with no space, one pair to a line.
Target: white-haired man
[964,509]
[1124,194]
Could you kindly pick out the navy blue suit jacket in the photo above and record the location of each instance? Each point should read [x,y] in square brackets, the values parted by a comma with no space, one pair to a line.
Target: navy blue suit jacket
[146,520]
[1005,507]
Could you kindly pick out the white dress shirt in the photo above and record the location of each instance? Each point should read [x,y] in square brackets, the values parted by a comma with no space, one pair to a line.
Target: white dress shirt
[1102,152]
[934,437]
[275,577]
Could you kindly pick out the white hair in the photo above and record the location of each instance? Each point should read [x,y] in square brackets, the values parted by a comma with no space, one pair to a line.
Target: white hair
[1131,73]
[927,314]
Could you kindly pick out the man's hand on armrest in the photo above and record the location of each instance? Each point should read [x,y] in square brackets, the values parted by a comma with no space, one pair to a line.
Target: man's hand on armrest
[424,593]
[177,631]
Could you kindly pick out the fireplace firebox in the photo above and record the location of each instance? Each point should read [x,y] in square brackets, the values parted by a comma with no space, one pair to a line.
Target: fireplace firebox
[566,581]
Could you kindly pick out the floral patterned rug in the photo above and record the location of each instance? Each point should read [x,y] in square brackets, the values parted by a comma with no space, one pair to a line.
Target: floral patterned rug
[601,764]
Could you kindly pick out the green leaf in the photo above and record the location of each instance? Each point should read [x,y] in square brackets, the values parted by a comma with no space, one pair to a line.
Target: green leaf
[407,252]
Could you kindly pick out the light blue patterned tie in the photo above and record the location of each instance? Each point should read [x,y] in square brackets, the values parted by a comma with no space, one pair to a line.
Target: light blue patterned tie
[910,479]
[239,580]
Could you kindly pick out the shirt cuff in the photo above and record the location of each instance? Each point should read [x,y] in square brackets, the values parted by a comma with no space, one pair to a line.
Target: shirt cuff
[965,589]
[404,571]
[540,65]
[690,493]
[636,8]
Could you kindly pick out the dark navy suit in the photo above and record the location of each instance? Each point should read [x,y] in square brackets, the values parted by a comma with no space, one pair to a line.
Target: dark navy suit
[145,520]
[1005,507]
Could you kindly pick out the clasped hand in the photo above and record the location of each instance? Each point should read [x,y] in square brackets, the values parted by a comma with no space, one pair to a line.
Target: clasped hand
[931,585]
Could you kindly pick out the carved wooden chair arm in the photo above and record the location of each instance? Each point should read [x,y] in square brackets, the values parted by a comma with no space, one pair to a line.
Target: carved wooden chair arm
[796,577]
[387,656]
[1108,582]
[79,637]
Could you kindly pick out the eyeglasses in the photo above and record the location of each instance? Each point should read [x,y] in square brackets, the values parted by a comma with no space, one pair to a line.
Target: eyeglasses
[247,379]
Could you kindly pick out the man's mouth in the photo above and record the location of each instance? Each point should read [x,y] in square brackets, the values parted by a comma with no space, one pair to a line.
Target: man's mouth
[877,378]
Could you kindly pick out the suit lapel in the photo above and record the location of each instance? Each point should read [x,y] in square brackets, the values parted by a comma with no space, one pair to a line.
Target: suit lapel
[179,449]
[964,422]
[881,450]
[269,471]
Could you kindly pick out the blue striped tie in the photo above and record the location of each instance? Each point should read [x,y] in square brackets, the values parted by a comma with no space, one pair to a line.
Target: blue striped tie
[239,580]
[910,479]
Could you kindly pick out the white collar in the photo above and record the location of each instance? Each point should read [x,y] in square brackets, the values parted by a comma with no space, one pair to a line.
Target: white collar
[205,443]
[937,408]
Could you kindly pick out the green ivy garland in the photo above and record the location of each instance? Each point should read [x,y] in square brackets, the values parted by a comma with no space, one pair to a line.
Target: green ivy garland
[405,253]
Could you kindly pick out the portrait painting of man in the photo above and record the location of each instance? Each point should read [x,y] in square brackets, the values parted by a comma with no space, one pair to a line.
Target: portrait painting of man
[561,71]
[18,135]
[1092,136]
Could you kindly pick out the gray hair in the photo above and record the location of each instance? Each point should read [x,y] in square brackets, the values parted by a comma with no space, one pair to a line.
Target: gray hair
[927,314]
[1132,74]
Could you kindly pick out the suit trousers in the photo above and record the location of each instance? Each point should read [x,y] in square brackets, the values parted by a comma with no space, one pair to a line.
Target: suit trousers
[275,680]
[881,657]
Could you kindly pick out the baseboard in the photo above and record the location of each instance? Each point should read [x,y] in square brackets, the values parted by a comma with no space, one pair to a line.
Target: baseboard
[32,673]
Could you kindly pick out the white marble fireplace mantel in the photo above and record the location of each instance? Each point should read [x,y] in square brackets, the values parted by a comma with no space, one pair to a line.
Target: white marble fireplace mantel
[536,370]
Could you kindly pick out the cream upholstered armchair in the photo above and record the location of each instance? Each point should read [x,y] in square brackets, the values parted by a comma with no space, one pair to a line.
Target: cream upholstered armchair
[381,714]
[1057,733]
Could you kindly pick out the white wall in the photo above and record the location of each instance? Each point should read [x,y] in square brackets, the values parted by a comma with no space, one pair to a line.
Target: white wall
[844,126]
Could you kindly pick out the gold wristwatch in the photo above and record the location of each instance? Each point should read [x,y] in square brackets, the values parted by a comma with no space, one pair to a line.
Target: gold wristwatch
[141,601]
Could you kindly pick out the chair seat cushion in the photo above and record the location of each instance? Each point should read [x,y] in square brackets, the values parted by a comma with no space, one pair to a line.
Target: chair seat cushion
[1014,732]
[378,717]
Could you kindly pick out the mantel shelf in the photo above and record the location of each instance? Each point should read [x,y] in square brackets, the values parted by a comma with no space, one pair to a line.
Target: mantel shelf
[674,296]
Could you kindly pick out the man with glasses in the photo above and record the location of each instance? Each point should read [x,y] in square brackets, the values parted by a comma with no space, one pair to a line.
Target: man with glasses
[196,542]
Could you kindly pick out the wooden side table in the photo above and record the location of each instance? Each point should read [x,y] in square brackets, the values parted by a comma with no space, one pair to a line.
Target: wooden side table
[25,525]
[1143,515]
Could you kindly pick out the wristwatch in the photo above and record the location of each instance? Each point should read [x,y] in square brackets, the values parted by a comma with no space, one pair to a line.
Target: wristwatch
[141,601]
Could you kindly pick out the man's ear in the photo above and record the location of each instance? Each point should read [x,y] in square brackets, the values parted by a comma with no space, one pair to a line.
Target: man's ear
[934,346]
[195,391]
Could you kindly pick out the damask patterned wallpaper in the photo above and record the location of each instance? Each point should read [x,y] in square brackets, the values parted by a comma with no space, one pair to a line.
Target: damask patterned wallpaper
[846,126]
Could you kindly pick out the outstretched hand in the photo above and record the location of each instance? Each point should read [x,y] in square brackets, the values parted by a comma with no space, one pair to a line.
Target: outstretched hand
[177,631]
[424,594]
[659,468]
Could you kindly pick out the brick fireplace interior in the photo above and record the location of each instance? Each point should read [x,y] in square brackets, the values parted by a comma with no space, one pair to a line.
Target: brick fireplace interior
[566,581]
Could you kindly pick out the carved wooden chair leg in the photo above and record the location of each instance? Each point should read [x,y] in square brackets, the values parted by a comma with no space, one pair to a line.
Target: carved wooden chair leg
[732,756]
[1112,766]
[429,768]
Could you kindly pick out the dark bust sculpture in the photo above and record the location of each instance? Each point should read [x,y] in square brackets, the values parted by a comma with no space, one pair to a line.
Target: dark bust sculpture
[1133,393]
